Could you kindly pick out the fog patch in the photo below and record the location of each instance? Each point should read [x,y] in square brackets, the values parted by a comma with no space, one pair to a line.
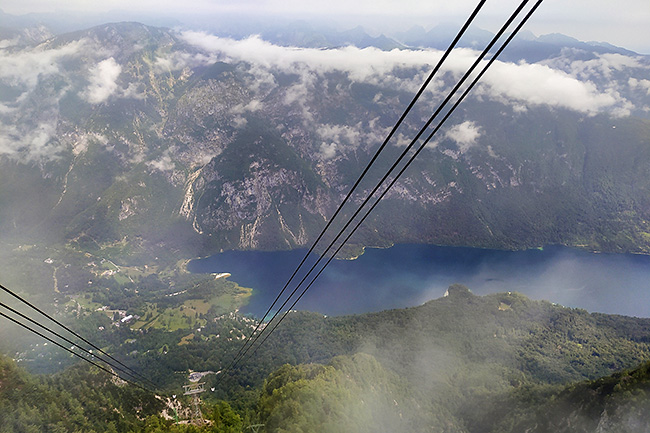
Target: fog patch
[567,277]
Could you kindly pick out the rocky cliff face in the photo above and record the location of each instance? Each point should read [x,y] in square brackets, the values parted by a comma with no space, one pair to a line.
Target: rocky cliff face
[126,133]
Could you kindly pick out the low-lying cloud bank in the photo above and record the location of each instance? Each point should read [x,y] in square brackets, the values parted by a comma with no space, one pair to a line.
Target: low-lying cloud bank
[573,86]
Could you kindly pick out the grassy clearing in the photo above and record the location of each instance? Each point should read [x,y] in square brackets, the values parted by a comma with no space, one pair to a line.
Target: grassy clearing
[85,301]
[186,339]
[198,306]
[193,313]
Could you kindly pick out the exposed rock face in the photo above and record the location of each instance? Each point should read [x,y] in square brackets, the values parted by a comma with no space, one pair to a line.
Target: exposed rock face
[130,132]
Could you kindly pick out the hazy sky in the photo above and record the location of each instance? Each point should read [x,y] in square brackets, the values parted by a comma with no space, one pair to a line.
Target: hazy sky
[625,23]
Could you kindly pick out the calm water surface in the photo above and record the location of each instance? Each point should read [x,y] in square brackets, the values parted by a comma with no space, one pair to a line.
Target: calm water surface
[409,275]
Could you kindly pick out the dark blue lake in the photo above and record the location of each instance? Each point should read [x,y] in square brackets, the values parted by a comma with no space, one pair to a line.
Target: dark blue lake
[409,275]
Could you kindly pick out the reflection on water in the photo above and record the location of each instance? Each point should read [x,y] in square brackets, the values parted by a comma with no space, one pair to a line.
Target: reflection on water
[409,275]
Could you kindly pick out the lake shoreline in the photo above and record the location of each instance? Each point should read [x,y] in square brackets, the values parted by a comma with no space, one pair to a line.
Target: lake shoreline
[406,275]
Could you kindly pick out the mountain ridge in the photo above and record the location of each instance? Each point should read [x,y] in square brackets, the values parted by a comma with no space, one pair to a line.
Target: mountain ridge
[148,116]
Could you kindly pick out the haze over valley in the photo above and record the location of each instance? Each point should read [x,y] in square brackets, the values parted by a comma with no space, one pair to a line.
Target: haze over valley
[127,150]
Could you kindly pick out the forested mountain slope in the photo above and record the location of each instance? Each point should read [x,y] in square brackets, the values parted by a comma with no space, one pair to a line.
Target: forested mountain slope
[462,363]
[355,394]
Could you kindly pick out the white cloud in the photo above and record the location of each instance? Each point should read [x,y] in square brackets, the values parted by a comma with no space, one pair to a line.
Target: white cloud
[262,81]
[5,109]
[464,134]
[251,107]
[6,43]
[335,136]
[102,81]
[33,144]
[296,93]
[80,145]
[27,133]
[177,60]
[605,65]
[620,61]
[541,85]
[133,91]
[642,84]
[359,63]
[239,122]
[164,163]
[519,84]
[604,69]
[402,140]
[328,151]
[575,85]
[254,106]
[26,67]
[343,138]
[340,133]
[300,93]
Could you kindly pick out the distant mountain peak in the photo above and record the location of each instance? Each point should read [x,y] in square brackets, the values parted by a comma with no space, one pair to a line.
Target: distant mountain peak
[558,38]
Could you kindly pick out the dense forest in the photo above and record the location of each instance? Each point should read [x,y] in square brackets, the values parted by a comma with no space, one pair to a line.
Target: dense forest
[461,363]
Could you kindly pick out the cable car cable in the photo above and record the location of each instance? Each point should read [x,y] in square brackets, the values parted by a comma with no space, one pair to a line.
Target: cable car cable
[18,313]
[368,166]
[491,61]
[71,331]
[74,353]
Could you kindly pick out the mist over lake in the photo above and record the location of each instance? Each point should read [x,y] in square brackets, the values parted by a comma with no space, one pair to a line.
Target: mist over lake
[409,275]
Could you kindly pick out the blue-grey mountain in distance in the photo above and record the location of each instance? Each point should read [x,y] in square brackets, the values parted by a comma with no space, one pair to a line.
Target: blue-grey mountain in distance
[409,275]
